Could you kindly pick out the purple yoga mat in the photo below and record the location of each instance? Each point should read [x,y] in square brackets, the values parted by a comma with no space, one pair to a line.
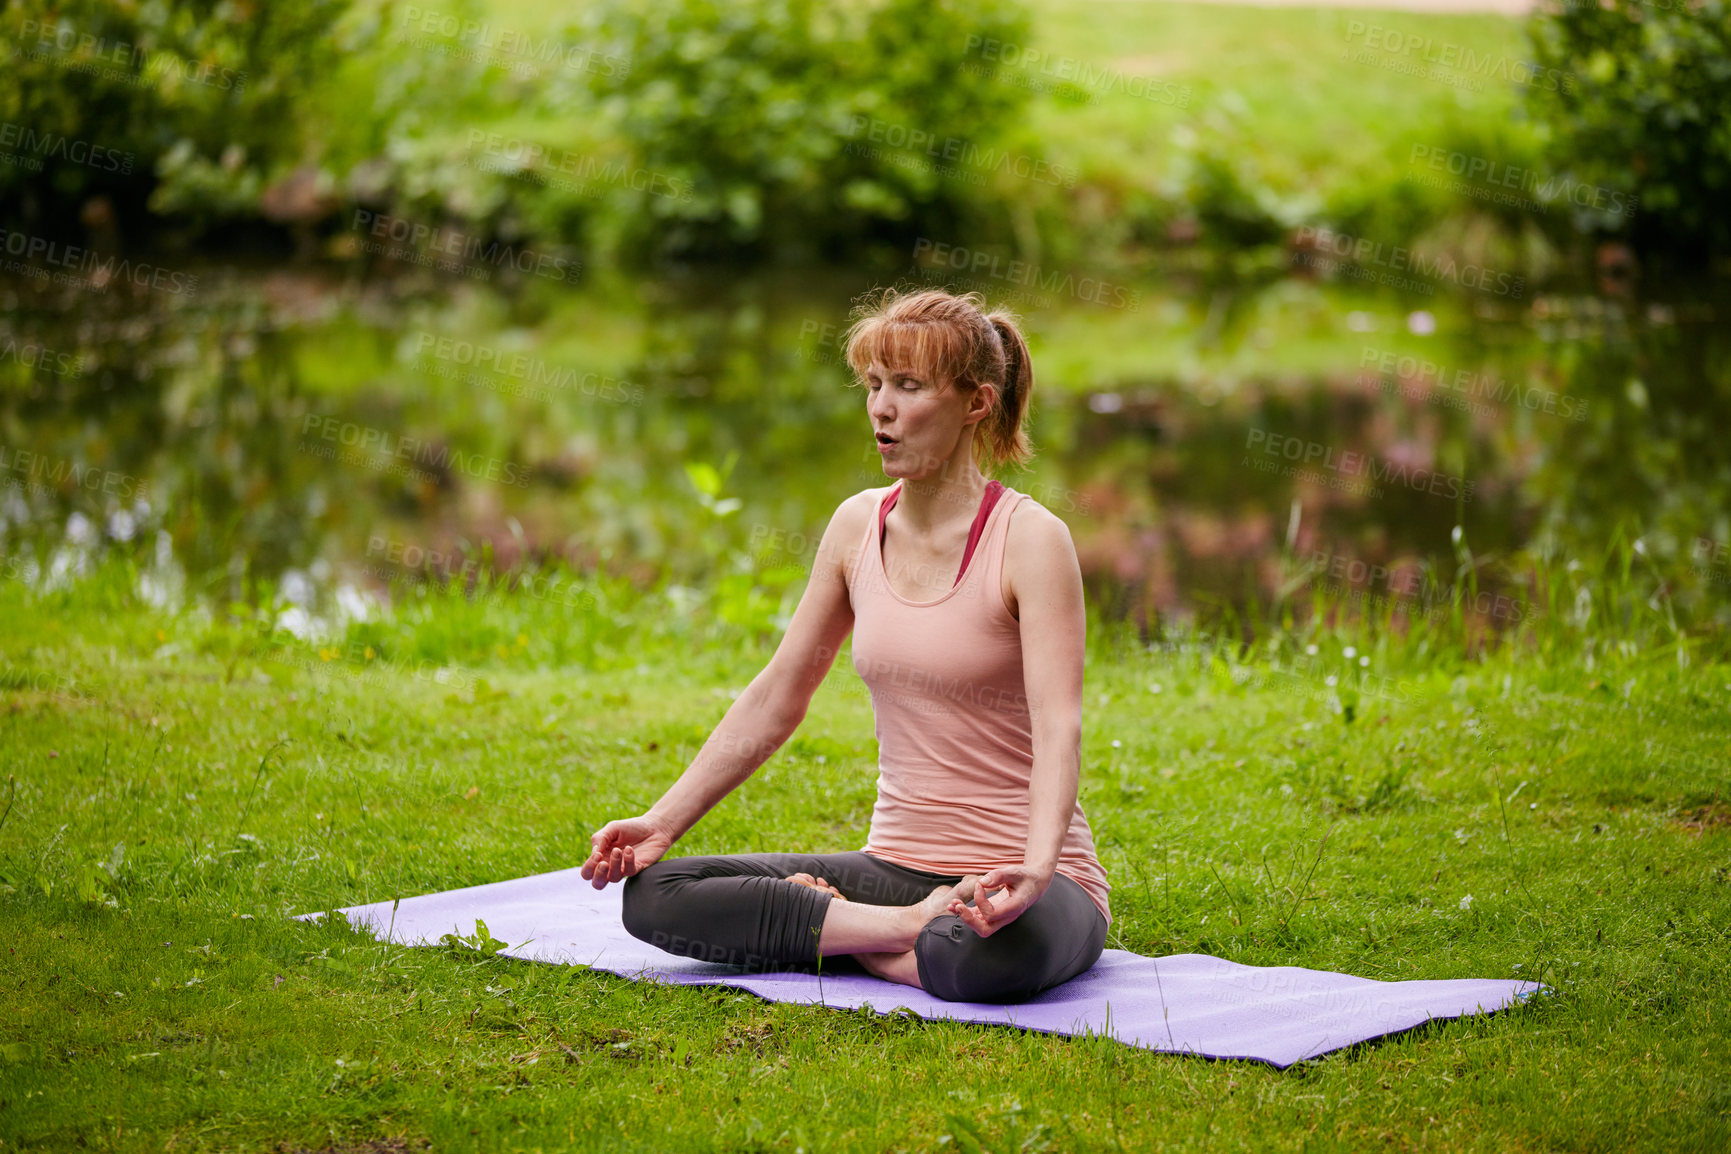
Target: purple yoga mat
[1182,1003]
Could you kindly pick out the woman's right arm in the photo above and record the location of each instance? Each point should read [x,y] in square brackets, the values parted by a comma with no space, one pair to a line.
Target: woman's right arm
[764,716]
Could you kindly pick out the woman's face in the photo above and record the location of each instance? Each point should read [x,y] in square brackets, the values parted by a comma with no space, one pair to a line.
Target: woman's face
[924,420]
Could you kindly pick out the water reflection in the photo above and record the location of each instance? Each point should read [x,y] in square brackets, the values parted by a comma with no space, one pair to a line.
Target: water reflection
[1221,449]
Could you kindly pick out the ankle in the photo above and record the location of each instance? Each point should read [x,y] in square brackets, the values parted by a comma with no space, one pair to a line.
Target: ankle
[913,920]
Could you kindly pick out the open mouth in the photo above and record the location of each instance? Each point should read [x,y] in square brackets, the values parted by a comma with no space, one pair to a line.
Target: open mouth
[886,439]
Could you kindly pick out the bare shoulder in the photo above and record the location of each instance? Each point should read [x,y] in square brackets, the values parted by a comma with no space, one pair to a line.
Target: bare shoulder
[850,517]
[1039,554]
[847,526]
[1035,531]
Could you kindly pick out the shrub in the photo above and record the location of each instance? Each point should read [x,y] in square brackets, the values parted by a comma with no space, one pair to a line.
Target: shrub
[1642,108]
[183,106]
[801,129]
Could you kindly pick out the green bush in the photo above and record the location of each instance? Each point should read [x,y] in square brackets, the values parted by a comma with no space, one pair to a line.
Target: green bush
[795,129]
[183,107]
[1642,108]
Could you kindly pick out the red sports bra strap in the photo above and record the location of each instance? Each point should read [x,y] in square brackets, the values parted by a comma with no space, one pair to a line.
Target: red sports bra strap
[994,490]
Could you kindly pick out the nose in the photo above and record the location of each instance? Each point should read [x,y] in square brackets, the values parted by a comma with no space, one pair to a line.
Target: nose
[877,402]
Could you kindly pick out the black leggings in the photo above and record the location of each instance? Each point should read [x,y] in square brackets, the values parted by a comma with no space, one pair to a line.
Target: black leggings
[739,909]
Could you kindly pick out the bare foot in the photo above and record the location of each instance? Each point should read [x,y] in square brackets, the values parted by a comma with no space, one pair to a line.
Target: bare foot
[806,879]
[938,901]
[901,965]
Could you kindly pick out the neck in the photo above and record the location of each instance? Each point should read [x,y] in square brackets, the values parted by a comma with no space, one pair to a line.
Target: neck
[942,498]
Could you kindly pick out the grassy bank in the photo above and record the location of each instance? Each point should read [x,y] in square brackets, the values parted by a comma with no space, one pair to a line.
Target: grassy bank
[361,124]
[183,782]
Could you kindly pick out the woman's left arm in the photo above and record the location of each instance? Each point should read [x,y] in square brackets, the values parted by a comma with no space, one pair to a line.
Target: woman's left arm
[1047,580]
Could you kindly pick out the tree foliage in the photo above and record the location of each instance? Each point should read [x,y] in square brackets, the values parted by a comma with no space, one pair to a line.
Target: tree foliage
[178,107]
[795,119]
[1643,110]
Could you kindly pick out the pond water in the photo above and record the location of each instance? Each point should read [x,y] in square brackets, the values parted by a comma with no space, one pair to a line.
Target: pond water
[1212,445]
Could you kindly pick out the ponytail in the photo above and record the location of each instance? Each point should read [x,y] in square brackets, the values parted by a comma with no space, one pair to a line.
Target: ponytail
[1008,440]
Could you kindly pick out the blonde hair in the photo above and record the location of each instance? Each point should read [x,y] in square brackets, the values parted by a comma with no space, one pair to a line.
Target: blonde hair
[945,337]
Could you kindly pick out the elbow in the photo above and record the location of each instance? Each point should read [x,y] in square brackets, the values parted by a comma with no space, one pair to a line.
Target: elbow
[775,709]
[785,697]
[1064,736]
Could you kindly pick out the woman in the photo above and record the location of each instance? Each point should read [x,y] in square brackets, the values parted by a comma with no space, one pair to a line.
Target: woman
[978,881]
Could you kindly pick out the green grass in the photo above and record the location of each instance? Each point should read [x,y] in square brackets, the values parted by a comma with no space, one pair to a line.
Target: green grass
[1311,117]
[158,996]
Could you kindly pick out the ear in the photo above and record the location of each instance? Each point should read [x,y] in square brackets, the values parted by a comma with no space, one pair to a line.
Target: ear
[984,400]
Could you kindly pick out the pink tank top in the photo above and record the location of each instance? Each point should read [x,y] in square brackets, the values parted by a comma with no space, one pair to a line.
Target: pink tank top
[955,742]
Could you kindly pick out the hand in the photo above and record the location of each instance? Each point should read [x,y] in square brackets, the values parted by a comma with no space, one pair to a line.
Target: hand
[1018,887]
[623,848]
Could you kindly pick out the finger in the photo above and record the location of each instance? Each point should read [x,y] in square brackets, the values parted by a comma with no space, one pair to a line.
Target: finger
[630,860]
